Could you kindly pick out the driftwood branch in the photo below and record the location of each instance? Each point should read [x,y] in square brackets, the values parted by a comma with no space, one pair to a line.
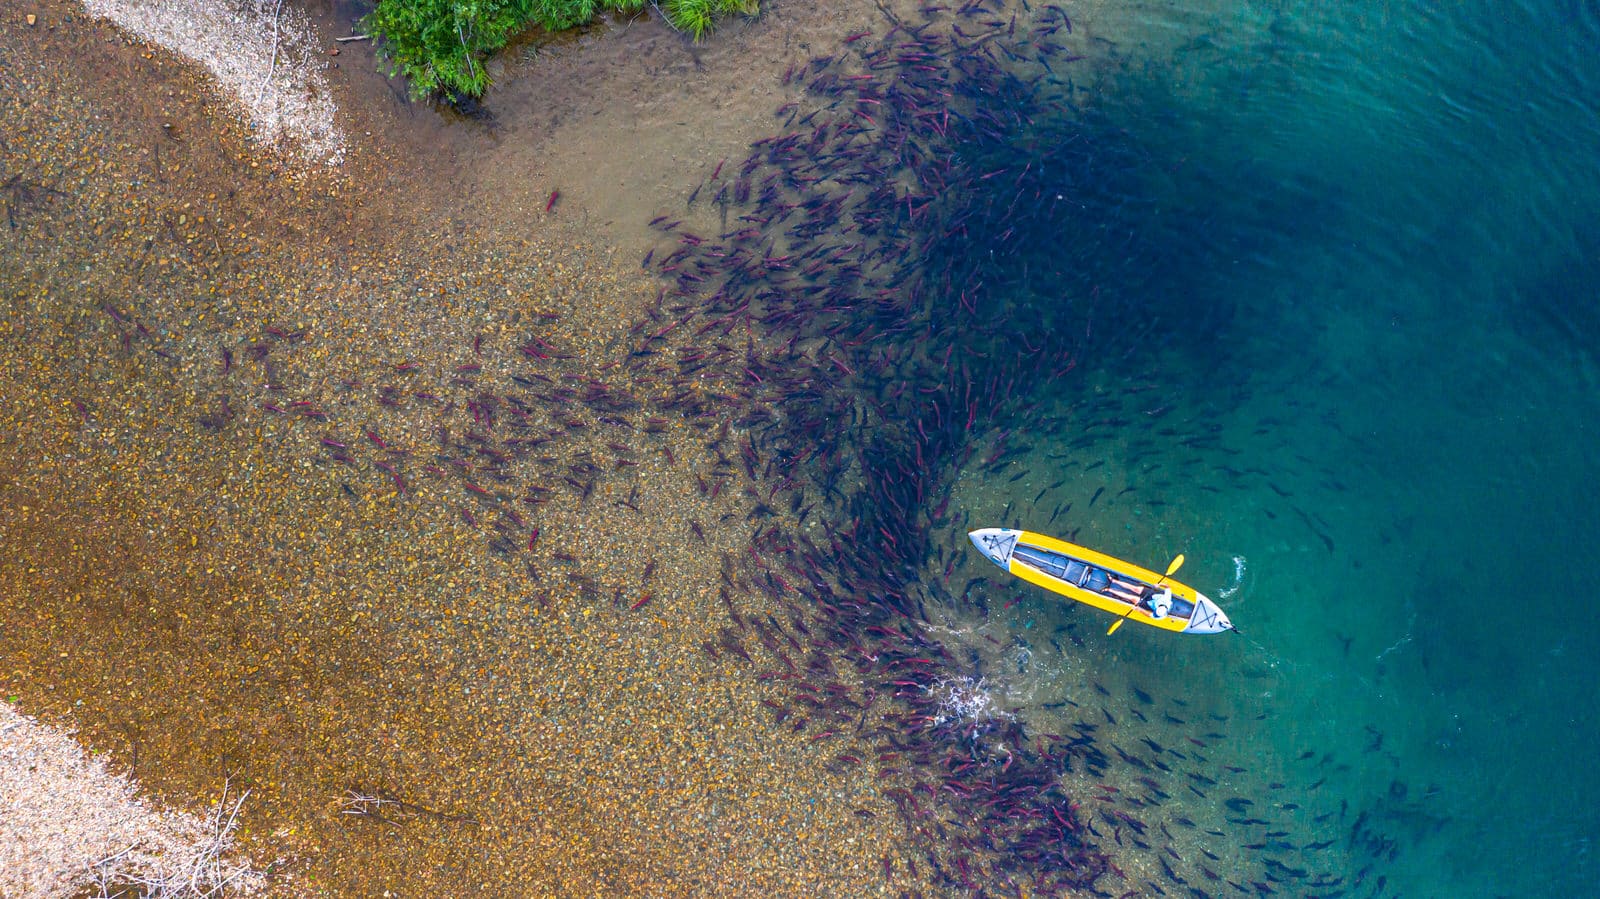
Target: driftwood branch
[277,9]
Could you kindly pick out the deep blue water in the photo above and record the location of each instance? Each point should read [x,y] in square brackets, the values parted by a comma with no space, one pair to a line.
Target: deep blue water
[1396,203]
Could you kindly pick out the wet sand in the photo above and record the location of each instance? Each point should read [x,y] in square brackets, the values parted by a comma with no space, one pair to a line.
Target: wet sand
[208,591]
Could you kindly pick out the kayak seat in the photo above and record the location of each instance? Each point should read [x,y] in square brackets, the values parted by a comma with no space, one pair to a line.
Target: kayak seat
[1064,568]
[1076,572]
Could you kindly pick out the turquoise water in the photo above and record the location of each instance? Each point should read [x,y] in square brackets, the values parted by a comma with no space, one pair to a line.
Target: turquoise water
[1394,206]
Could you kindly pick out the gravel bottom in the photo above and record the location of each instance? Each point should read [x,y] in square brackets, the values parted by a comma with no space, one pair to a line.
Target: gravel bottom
[202,587]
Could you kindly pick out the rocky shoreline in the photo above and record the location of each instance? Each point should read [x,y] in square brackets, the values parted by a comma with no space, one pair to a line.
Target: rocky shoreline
[264,57]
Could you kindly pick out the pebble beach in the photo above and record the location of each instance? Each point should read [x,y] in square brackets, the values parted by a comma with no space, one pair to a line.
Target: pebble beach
[197,586]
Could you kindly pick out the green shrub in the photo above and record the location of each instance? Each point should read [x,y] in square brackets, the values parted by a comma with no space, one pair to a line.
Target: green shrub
[696,17]
[440,45]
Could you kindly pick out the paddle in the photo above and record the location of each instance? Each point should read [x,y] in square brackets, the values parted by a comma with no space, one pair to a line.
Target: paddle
[1176,564]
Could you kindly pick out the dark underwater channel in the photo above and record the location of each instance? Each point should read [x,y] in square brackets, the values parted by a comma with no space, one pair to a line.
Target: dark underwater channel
[1304,286]
[944,236]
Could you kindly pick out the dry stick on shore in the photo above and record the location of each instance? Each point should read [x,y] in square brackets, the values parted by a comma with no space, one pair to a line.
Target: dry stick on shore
[205,874]
[106,876]
[353,37]
[272,69]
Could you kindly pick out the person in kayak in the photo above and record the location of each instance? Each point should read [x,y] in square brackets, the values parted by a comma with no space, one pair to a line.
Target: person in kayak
[1157,602]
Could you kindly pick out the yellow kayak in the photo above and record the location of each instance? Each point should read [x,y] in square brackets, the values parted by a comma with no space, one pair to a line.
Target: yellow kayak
[1099,580]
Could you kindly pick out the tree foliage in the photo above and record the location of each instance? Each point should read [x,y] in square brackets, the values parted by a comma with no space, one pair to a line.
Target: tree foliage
[440,45]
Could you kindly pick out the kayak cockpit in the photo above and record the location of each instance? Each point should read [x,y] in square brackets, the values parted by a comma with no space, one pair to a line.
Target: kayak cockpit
[1089,577]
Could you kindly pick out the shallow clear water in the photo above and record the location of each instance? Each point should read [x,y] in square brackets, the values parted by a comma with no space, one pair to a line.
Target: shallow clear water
[1394,204]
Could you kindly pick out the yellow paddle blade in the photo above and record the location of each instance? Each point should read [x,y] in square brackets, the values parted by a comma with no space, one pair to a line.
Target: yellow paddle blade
[1176,564]
[1116,624]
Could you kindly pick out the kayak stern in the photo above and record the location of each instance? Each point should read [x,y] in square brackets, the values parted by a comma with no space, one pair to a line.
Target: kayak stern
[996,544]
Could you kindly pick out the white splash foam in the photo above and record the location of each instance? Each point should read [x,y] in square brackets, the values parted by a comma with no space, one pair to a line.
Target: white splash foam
[964,699]
[1238,579]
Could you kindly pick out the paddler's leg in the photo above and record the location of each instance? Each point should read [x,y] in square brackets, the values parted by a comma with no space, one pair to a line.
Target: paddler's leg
[1098,580]
[1124,591]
